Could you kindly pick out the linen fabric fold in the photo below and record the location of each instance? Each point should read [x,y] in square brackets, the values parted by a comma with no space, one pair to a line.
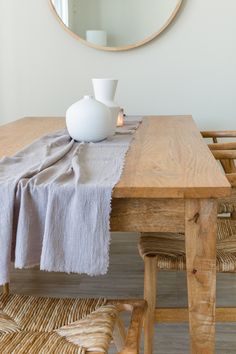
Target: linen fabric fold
[55,206]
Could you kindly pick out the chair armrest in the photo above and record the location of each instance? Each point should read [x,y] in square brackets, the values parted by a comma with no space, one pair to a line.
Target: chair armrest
[137,309]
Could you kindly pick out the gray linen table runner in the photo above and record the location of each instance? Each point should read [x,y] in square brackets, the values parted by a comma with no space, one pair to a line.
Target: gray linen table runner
[55,206]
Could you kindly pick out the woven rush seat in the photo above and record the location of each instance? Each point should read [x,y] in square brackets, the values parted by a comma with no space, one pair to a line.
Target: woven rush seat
[30,325]
[170,248]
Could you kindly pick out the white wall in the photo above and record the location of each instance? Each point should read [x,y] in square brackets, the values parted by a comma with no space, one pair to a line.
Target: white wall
[191,68]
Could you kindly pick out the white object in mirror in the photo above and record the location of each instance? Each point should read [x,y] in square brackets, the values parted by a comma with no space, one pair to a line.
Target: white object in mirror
[97,37]
[88,120]
[128,24]
[104,91]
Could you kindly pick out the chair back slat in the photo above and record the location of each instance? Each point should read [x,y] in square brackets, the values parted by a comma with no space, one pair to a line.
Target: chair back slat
[232,179]
[219,134]
[224,152]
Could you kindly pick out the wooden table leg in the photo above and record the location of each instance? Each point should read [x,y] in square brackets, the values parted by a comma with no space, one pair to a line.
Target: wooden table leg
[200,231]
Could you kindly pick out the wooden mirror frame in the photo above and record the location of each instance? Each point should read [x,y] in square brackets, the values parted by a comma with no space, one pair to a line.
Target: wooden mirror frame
[122,48]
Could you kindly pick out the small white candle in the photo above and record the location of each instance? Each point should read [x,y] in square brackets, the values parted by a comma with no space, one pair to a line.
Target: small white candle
[120,119]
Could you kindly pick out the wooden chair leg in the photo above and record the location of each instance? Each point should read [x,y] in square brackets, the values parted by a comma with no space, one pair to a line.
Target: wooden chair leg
[6,289]
[150,280]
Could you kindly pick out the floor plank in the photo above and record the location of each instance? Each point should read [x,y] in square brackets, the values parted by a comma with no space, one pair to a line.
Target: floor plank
[125,279]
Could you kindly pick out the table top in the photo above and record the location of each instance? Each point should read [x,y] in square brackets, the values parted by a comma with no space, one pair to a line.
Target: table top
[167,159]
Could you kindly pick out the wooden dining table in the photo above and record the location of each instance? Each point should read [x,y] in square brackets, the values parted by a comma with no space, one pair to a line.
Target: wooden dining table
[170,183]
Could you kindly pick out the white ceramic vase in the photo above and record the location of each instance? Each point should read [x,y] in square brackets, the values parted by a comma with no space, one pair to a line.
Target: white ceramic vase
[104,91]
[88,120]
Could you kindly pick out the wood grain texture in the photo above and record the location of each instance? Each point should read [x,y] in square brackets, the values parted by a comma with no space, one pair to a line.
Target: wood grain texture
[200,243]
[180,315]
[147,215]
[17,135]
[167,159]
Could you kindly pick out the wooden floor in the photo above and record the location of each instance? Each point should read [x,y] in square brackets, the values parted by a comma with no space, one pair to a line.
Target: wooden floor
[125,279]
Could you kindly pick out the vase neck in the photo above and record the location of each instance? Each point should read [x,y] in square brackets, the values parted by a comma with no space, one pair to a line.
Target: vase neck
[104,89]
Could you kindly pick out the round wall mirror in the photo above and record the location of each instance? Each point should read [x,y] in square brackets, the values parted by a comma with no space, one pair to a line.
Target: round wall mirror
[115,24]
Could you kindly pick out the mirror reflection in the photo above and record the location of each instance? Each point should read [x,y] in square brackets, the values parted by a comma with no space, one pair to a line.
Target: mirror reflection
[116,23]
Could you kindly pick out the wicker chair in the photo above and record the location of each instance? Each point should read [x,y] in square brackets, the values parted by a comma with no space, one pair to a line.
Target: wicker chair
[67,326]
[166,251]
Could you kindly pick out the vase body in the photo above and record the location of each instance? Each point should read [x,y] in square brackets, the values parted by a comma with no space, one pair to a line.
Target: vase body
[104,91]
[88,120]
